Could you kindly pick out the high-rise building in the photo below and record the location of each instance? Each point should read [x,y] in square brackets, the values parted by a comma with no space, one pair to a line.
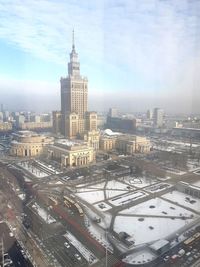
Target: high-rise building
[90,121]
[113,112]
[56,118]
[35,118]
[6,115]
[20,120]
[1,116]
[158,117]
[74,97]
[150,114]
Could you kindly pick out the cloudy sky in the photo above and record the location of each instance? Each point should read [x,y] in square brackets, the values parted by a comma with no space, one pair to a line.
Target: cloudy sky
[137,54]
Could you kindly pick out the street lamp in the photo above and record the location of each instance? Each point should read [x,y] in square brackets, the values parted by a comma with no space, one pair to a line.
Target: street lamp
[106,249]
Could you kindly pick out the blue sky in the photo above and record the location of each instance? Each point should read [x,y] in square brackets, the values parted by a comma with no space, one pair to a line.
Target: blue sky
[136,54]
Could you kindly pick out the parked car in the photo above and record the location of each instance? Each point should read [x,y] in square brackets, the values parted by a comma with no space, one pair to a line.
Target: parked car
[77,256]
[67,245]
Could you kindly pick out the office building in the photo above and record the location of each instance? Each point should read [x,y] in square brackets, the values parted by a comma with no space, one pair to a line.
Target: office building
[20,119]
[158,117]
[149,114]
[74,98]
[90,121]
[56,117]
[121,124]
[29,125]
[6,115]
[35,118]
[5,126]
[1,116]
[113,112]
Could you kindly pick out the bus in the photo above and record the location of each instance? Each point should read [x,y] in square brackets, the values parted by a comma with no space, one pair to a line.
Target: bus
[197,236]
[192,239]
[67,204]
[69,200]
[53,201]
[80,210]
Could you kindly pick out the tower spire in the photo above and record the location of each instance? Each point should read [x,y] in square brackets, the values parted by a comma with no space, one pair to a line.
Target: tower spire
[73,43]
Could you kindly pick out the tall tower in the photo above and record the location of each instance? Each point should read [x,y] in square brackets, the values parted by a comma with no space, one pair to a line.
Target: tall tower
[158,117]
[74,96]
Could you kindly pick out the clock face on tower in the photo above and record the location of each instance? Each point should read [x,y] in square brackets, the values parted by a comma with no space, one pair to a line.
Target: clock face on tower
[75,68]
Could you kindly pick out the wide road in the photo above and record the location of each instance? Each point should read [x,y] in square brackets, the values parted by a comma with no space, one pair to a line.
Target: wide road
[12,247]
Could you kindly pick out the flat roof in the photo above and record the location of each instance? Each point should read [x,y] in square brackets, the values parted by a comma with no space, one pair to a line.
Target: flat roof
[69,143]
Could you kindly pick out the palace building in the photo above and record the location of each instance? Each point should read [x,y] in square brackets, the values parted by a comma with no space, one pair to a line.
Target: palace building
[74,118]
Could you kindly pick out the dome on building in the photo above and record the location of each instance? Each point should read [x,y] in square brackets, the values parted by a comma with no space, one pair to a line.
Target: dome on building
[109,132]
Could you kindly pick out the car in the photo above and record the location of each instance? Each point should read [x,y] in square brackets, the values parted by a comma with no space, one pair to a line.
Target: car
[77,256]
[67,245]
[188,254]
[11,234]
[166,258]
[7,261]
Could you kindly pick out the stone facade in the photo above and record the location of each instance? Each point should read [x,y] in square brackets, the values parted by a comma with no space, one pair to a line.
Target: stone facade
[92,138]
[35,125]
[71,153]
[131,144]
[5,126]
[107,143]
[90,121]
[74,98]
[28,144]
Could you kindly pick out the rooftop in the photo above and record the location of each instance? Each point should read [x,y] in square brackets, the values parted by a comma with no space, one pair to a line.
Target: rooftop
[69,143]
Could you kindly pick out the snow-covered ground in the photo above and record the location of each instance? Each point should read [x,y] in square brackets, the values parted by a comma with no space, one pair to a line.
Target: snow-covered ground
[157,206]
[157,187]
[86,187]
[115,185]
[140,257]
[48,167]
[33,170]
[125,199]
[43,214]
[112,185]
[148,229]
[105,217]
[174,171]
[92,196]
[85,252]
[138,182]
[181,198]
[95,193]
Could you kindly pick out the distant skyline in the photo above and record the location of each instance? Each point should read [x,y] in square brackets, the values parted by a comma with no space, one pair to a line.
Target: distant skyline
[136,54]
